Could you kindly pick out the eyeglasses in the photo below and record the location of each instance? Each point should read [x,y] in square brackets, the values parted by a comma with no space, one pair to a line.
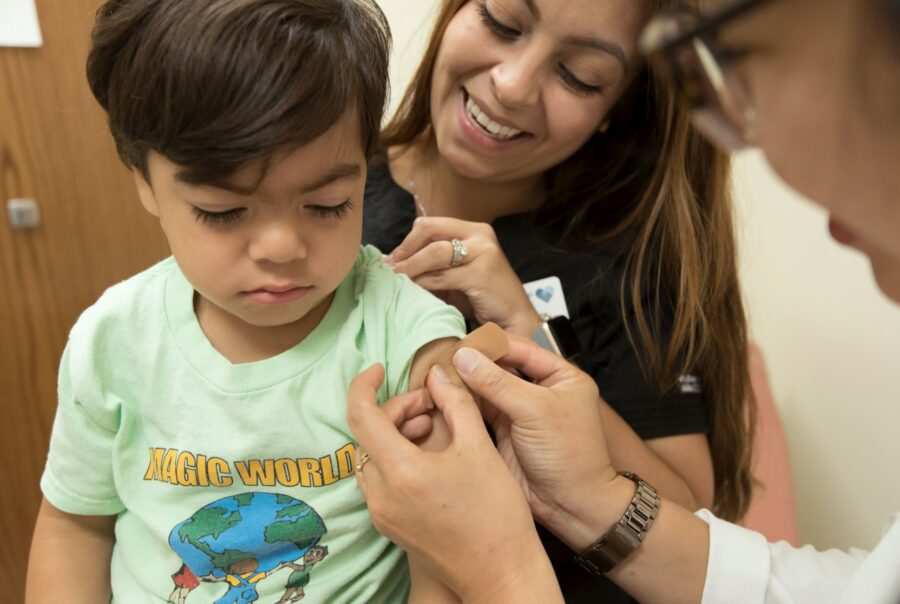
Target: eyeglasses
[682,46]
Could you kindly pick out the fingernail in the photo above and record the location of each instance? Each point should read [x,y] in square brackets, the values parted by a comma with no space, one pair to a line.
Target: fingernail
[426,399]
[389,259]
[438,372]
[466,359]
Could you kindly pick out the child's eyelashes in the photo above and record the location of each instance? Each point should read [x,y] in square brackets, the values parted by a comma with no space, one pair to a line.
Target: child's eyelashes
[337,211]
[217,218]
[235,214]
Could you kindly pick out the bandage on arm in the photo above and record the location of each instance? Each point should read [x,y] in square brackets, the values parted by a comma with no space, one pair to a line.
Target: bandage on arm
[489,339]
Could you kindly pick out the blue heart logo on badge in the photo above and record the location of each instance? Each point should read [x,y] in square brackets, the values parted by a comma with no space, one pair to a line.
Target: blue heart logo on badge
[547,295]
[544,293]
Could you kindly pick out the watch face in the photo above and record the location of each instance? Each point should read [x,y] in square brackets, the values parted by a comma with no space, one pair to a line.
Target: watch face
[565,337]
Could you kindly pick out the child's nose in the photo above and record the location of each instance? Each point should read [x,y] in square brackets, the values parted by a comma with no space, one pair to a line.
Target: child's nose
[279,242]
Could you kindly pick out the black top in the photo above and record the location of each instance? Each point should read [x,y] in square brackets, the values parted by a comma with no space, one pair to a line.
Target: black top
[590,282]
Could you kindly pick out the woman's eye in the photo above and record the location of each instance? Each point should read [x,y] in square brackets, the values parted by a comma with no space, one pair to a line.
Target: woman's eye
[728,56]
[569,78]
[217,218]
[337,211]
[502,31]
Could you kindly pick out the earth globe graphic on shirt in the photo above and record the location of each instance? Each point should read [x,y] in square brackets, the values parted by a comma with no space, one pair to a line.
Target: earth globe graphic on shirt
[240,540]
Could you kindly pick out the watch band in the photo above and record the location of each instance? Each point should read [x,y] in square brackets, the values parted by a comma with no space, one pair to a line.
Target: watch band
[556,335]
[627,534]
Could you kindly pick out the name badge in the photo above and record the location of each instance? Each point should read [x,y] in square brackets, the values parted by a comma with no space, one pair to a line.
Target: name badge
[547,297]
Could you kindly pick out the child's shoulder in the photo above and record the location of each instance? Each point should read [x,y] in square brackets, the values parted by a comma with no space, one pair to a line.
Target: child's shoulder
[391,296]
[376,283]
[131,302]
[372,276]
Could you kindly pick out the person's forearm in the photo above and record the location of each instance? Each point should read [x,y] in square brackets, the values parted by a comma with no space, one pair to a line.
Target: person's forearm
[69,561]
[510,573]
[628,452]
[670,565]
[425,588]
[533,581]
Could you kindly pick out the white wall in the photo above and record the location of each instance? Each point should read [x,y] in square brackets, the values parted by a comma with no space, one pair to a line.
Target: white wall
[411,22]
[831,340]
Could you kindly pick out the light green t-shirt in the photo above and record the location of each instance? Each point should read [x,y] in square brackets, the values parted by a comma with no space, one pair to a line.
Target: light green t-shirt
[234,471]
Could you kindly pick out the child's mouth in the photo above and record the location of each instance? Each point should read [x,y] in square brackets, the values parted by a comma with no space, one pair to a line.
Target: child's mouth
[277,295]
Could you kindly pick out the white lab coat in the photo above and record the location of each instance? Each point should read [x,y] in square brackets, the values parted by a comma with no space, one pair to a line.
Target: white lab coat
[745,569]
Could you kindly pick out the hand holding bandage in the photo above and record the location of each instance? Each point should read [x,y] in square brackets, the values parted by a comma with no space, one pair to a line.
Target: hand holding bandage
[489,339]
[407,410]
[405,487]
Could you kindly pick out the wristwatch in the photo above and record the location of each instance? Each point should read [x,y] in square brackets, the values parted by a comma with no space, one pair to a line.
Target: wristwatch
[627,534]
[556,335]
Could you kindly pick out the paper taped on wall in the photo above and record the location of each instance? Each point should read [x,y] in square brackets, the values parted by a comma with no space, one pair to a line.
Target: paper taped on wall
[19,24]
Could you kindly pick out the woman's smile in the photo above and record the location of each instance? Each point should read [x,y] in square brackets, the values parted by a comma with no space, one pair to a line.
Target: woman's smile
[481,128]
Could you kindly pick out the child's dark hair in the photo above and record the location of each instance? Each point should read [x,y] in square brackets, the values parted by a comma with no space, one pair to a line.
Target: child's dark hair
[893,12]
[214,84]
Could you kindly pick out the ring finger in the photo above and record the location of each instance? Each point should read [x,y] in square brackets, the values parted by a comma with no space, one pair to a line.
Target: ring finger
[367,474]
[436,256]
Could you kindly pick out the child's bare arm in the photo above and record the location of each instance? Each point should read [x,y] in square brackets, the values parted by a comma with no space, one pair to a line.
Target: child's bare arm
[491,340]
[70,558]
[424,587]
[439,437]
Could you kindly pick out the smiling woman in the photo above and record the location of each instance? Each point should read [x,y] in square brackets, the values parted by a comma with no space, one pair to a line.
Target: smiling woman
[533,136]
[555,92]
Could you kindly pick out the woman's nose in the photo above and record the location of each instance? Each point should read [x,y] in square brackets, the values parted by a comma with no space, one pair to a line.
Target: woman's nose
[279,242]
[516,81]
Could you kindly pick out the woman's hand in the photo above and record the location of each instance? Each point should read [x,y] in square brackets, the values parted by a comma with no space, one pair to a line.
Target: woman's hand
[459,511]
[549,432]
[484,277]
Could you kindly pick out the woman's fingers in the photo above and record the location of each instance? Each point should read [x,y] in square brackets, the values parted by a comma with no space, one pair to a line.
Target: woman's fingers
[406,407]
[435,256]
[459,410]
[417,427]
[409,413]
[508,393]
[376,428]
[427,230]
[539,364]
[449,280]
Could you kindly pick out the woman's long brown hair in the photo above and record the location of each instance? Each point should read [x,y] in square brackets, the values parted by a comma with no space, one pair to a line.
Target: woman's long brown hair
[653,185]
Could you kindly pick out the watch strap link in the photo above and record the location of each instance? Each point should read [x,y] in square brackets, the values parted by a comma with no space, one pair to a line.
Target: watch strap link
[627,534]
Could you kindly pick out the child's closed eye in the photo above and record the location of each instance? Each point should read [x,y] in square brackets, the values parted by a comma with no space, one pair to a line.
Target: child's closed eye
[217,218]
[337,211]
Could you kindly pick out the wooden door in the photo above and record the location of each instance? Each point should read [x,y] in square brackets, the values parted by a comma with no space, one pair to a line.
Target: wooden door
[54,148]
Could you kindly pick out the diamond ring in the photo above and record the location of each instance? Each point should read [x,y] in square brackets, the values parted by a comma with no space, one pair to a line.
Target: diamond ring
[460,251]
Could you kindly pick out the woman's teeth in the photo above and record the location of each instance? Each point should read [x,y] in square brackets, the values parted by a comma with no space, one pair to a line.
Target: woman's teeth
[488,125]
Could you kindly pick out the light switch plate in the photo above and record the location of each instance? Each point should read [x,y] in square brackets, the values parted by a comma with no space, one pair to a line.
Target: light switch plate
[23,214]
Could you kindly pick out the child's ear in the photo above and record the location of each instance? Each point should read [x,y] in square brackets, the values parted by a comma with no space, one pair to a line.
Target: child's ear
[145,192]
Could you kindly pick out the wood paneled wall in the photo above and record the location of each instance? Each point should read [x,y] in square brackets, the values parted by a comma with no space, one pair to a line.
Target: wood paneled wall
[54,148]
